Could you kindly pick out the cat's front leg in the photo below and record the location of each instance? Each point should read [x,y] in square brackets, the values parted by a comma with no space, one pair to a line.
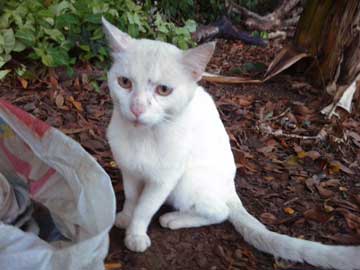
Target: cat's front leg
[152,197]
[132,189]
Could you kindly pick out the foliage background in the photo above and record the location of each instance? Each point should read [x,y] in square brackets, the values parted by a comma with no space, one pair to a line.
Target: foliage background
[63,32]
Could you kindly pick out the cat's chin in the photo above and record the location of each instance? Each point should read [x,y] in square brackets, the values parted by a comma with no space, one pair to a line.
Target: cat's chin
[141,124]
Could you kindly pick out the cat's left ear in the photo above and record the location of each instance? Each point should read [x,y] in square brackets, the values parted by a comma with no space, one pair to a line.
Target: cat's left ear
[196,59]
[118,40]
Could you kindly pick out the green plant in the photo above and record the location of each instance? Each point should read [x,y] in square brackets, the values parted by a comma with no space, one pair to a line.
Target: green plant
[62,32]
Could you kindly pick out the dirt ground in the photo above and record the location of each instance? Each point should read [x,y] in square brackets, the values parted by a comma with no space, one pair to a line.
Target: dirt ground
[301,187]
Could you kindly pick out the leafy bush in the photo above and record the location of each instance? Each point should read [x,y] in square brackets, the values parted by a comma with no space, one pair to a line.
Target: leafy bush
[59,33]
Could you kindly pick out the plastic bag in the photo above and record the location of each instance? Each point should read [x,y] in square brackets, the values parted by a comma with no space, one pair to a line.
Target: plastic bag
[64,178]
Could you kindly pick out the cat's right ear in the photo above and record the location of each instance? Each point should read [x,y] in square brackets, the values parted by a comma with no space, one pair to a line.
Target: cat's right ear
[196,59]
[118,40]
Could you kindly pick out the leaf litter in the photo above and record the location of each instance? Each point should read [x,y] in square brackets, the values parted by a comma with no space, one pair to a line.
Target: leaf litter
[299,187]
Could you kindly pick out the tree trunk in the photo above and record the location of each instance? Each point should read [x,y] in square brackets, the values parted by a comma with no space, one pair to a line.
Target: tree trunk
[329,31]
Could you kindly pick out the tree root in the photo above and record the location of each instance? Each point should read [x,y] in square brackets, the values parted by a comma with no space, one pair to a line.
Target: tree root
[271,22]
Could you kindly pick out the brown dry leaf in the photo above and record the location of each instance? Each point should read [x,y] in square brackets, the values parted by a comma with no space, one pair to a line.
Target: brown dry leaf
[331,183]
[301,154]
[59,101]
[317,214]
[24,83]
[268,218]
[328,208]
[289,210]
[292,161]
[298,148]
[244,101]
[227,79]
[345,239]
[76,104]
[119,187]
[77,85]
[53,79]
[269,178]
[313,154]
[242,162]
[343,189]
[266,149]
[336,166]
[353,135]
[324,193]
[353,221]
[113,164]
[113,266]
[288,56]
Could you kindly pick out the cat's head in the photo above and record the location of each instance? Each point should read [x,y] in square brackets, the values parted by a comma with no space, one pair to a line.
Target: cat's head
[152,81]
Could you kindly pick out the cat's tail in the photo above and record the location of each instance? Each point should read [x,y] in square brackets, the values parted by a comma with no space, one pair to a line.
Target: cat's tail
[290,248]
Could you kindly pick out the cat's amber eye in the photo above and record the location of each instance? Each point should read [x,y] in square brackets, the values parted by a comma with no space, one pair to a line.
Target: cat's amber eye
[163,90]
[125,83]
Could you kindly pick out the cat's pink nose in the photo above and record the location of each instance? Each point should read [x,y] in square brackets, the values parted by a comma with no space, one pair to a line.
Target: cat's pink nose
[137,110]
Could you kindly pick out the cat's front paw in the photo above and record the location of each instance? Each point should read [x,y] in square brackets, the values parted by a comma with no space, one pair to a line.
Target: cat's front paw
[122,220]
[137,242]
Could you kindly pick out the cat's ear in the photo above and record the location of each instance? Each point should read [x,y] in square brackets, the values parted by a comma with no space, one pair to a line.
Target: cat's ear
[196,59]
[118,40]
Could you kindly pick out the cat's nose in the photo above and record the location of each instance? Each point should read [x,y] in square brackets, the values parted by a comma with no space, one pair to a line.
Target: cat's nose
[137,110]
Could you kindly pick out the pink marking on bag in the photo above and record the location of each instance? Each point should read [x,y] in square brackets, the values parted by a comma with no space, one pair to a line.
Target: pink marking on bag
[20,166]
[36,125]
[24,168]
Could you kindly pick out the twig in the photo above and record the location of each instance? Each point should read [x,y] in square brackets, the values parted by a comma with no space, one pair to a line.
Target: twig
[321,136]
[279,116]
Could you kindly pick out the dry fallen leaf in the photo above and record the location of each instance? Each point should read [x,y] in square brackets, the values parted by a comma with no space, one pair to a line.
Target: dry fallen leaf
[317,214]
[76,104]
[313,154]
[59,101]
[289,210]
[24,83]
[324,193]
[113,266]
[288,56]
[268,218]
[336,166]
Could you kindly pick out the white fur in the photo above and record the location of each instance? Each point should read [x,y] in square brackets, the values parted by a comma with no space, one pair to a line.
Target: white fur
[178,152]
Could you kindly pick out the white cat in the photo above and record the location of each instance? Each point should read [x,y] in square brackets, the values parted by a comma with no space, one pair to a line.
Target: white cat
[167,137]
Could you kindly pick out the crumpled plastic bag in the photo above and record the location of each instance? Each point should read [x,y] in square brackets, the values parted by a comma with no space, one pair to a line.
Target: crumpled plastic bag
[64,178]
[15,204]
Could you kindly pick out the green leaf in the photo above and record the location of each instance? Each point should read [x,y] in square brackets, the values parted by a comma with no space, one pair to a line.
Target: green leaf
[55,57]
[85,48]
[9,39]
[60,8]
[55,34]
[3,73]
[190,25]
[66,20]
[19,46]
[4,20]
[26,36]
[2,61]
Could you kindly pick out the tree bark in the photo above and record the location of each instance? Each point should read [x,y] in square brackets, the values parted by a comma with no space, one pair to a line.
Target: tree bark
[329,31]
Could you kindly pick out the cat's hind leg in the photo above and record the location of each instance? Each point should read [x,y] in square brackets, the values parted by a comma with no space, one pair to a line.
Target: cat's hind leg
[201,214]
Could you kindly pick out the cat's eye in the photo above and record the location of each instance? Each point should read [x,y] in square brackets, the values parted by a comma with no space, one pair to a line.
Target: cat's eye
[163,90]
[125,83]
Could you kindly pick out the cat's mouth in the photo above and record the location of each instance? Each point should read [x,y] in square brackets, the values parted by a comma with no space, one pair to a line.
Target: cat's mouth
[138,123]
